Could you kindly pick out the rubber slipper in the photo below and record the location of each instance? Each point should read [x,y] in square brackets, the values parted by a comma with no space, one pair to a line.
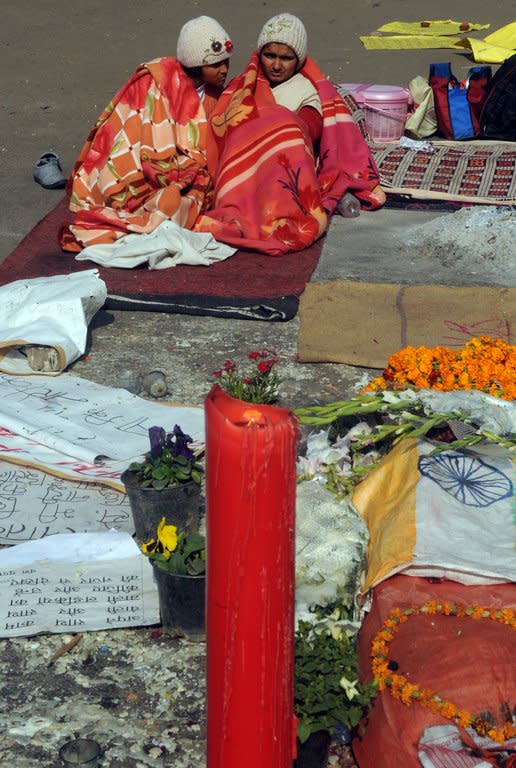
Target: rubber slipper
[48,171]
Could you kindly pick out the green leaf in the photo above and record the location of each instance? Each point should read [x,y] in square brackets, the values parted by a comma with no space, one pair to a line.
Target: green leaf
[303,730]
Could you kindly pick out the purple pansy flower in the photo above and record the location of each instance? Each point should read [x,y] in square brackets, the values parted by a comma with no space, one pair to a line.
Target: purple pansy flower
[157,437]
[178,441]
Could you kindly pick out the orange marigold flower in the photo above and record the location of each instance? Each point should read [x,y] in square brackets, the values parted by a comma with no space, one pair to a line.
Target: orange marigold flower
[391,624]
[380,667]
[408,693]
[448,710]
[430,607]
[496,734]
[483,363]
[464,718]
[434,705]
[426,695]
[379,648]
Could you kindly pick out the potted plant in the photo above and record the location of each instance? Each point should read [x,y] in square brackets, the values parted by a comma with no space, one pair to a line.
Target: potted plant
[328,693]
[167,483]
[257,384]
[179,562]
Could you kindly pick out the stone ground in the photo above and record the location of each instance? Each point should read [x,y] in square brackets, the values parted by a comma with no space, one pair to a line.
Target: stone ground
[140,694]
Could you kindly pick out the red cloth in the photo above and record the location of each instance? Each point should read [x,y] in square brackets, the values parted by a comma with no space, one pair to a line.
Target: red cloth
[466,661]
[314,122]
[271,194]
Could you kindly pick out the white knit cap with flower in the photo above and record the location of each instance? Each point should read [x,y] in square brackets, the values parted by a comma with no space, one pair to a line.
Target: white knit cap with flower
[288,30]
[203,41]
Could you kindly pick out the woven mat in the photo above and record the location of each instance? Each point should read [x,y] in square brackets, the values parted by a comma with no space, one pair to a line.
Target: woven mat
[479,172]
[456,171]
[247,286]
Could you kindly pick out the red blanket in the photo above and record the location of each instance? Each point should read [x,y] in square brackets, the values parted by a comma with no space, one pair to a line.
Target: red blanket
[271,194]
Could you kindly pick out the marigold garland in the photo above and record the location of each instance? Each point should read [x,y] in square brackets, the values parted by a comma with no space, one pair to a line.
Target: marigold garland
[483,363]
[408,693]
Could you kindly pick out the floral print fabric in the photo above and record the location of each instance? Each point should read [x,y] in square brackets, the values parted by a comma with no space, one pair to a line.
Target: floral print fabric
[271,194]
[143,162]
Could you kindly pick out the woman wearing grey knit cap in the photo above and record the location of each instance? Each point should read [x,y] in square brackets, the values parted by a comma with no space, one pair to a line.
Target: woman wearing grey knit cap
[282,47]
[145,160]
[284,149]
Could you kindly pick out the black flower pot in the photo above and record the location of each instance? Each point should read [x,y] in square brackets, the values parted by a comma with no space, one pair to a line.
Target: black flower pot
[178,504]
[182,603]
[314,752]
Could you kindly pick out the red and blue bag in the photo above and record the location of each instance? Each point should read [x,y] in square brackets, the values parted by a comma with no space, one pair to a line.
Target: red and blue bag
[458,104]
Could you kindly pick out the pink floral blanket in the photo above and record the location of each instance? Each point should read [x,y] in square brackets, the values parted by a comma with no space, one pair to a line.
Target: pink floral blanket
[271,193]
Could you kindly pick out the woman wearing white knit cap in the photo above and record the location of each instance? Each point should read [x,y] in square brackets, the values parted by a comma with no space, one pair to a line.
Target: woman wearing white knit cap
[204,48]
[143,162]
[283,149]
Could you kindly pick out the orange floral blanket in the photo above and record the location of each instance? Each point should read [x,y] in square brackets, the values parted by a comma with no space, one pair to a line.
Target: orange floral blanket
[143,162]
[271,194]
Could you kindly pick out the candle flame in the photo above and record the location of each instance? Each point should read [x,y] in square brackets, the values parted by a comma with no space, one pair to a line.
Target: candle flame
[253,416]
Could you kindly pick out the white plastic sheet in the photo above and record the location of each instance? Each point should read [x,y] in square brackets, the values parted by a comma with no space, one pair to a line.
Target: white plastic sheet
[75,583]
[49,312]
[87,421]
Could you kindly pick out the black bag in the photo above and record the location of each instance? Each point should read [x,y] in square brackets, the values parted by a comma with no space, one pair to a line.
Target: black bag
[498,115]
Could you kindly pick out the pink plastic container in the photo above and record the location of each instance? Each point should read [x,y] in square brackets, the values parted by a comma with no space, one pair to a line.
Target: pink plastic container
[385,108]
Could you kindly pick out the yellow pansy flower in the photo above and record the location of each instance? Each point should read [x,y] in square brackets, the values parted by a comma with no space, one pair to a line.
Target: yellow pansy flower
[167,536]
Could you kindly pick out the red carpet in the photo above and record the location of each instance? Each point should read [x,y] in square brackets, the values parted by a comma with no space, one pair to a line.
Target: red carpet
[247,285]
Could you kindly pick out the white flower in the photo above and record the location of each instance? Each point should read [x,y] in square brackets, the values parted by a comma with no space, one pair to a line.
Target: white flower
[350,687]
[390,396]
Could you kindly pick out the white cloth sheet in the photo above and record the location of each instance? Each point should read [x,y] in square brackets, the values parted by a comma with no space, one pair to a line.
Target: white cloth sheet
[168,246]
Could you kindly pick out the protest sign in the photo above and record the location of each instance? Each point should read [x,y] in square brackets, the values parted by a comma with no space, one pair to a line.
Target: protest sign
[76,583]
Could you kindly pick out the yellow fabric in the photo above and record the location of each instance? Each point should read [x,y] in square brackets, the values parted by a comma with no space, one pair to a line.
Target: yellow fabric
[408,42]
[435,27]
[504,37]
[493,49]
[386,499]
[496,47]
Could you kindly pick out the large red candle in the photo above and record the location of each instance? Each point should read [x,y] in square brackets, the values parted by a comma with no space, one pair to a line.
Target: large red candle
[250,521]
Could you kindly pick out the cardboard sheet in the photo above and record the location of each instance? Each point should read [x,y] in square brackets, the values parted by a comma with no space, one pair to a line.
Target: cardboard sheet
[363,323]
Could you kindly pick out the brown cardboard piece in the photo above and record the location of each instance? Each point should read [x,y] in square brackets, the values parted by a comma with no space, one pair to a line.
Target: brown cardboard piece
[357,323]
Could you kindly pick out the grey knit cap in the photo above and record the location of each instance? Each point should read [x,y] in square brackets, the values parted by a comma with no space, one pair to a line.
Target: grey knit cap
[288,30]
